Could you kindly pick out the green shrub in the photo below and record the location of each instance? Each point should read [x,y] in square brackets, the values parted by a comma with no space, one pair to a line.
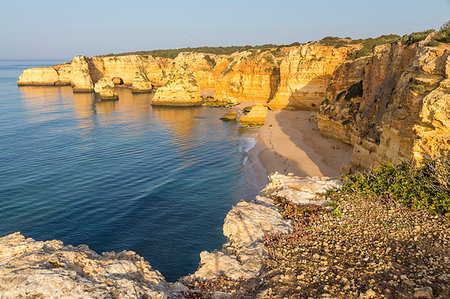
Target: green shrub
[370,43]
[418,87]
[210,61]
[420,187]
[444,33]
[409,39]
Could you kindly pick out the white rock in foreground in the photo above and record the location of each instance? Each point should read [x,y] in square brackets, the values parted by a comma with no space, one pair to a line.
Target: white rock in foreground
[30,269]
[248,222]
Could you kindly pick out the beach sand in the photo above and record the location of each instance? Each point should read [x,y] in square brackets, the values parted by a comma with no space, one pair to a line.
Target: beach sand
[290,142]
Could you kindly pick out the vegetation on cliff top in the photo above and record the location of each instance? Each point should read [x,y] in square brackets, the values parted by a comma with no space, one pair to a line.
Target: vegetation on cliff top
[444,33]
[420,187]
[172,53]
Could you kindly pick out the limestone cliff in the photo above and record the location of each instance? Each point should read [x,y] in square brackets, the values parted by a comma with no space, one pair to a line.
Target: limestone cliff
[81,76]
[40,76]
[181,90]
[305,73]
[285,76]
[249,76]
[392,106]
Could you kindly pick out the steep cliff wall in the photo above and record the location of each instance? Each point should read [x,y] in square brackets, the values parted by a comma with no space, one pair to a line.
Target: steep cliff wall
[305,73]
[286,76]
[392,106]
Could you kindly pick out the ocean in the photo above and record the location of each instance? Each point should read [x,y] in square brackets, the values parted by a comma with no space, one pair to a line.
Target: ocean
[118,175]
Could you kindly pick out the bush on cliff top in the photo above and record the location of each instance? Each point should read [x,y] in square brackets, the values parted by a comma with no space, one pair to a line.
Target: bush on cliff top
[172,53]
[421,187]
[444,33]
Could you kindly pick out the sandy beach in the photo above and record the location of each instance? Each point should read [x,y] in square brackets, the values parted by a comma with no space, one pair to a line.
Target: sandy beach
[290,142]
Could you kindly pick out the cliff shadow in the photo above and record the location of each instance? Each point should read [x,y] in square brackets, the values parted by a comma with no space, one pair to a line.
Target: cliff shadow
[274,83]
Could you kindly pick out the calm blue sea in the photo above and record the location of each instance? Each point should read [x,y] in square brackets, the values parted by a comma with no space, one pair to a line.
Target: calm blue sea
[117,175]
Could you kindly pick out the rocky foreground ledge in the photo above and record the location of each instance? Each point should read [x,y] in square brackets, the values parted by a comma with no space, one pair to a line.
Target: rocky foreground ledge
[291,241]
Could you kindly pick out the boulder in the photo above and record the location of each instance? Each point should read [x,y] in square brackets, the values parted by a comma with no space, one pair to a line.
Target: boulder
[256,116]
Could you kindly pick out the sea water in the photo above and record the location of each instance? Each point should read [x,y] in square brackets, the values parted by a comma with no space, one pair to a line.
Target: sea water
[117,175]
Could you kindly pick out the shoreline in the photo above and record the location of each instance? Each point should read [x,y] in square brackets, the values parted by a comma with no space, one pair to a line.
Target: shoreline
[290,142]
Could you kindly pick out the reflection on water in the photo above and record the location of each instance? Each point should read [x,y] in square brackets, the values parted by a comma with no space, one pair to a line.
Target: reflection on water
[118,175]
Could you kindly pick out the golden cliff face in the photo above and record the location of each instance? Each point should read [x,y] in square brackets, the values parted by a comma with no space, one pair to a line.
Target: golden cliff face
[250,76]
[180,90]
[305,73]
[289,76]
[393,106]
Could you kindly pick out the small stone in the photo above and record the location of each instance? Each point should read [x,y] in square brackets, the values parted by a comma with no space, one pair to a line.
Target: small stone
[425,293]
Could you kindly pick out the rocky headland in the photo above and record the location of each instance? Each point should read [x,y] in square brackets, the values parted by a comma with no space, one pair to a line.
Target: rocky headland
[296,239]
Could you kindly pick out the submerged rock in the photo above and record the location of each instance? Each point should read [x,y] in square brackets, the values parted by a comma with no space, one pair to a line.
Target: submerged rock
[229,116]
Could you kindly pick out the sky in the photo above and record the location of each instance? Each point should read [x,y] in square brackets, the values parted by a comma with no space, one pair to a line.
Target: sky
[48,29]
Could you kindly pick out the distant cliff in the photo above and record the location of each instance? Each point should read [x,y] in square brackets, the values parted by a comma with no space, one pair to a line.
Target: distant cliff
[391,101]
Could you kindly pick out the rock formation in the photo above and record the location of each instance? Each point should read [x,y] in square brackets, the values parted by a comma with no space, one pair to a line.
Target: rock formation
[251,75]
[80,74]
[305,73]
[181,90]
[141,83]
[248,222]
[50,269]
[256,116]
[36,269]
[105,88]
[40,76]
[393,106]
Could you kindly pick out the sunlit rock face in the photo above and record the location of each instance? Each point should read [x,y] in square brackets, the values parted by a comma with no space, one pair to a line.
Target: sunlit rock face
[40,76]
[180,90]
[256,116]
[105,88]
[305,73]
[36,269]
[249,76]
[393,106]
[80,75]
[285,77]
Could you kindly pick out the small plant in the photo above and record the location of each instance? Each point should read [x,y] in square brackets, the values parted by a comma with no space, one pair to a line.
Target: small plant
[418,87]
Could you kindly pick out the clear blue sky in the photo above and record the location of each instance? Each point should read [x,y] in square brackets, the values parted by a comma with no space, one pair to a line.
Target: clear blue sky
[63,29]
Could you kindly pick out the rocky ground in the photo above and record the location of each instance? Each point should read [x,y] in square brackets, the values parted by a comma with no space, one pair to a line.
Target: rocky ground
[365,248]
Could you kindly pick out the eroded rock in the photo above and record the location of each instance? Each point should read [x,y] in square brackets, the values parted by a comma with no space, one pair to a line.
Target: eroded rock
[30,268]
